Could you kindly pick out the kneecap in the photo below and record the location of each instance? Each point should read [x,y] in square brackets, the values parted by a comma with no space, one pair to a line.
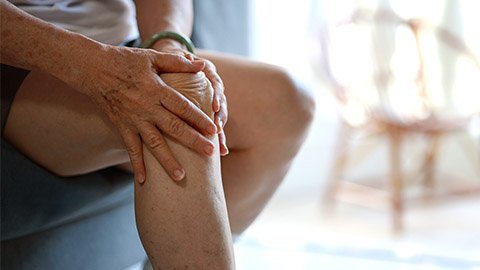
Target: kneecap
[194,86]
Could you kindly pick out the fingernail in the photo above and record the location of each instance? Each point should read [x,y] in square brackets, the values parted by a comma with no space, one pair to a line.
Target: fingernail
[225,151]
[198,63]
[217,108]
[212,130]
[178,174]
[208,149]
[141,179]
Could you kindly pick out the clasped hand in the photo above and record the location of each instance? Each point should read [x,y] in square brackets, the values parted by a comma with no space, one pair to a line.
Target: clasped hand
[125,84]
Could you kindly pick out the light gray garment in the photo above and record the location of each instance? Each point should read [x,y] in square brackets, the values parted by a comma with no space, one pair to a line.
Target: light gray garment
[107,21]
[221,25]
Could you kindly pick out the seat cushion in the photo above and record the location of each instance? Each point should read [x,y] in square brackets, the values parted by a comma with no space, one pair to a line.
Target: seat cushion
[50,222]
[33,199]
[106,241]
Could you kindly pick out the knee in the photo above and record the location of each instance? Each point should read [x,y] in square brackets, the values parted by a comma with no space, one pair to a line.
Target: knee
[294,105]
[301,106]
[194,86]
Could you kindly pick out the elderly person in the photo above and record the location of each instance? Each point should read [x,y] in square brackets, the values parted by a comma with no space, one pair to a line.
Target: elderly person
[75,99]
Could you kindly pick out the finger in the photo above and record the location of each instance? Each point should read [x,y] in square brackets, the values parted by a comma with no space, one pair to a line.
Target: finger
[179,105]
[221,117]
[218,123]
[184,134]
[155,142]
[166,62]
[222,140]
[133,144]
[216,101]
[218,89]
[217,84]
[222,114]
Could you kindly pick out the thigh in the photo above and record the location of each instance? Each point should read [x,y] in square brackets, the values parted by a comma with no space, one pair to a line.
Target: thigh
[60,128]
[260,97]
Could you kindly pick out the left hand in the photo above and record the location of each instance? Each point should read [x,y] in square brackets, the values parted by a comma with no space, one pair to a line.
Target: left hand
[219,104]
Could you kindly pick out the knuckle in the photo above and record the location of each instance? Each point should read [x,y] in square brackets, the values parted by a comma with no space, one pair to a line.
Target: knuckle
[216,82]
[154,141]
[133,151]
[210,65]
[183,107]
[176,128]
[197,141]
[223,113]
[179,59]
[219,89]
[169,163]
[224,103]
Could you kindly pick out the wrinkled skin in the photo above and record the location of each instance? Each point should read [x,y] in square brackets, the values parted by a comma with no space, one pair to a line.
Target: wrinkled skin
[145,109]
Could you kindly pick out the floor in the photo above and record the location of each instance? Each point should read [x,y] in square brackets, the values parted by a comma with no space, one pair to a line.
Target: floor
[295,235]
[296,232]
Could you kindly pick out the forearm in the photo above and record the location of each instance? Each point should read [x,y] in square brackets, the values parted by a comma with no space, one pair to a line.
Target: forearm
[30,43]
[172,15]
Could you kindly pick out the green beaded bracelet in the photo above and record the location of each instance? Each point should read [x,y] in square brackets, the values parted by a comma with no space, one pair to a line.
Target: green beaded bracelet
[169,34]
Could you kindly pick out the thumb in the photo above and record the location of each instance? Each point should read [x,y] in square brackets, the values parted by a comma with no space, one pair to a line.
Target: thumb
[166,62]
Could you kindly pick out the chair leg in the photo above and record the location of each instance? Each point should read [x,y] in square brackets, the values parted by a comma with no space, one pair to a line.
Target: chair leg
[339,162]
[396,184]
[429,166]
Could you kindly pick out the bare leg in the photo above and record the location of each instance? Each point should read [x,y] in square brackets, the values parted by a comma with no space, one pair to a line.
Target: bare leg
[185,225]
[180,225]
[269,116]
[268,119]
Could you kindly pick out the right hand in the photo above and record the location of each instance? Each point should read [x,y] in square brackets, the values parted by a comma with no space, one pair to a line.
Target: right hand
[125,84]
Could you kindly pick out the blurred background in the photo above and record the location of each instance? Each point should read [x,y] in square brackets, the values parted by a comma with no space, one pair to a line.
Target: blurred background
[389,177]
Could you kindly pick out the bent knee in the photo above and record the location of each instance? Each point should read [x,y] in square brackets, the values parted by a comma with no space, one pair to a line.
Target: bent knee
[295,104]
[302,101]
[194,86]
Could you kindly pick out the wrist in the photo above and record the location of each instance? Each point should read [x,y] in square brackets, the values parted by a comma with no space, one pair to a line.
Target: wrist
[166,37]
[168,45]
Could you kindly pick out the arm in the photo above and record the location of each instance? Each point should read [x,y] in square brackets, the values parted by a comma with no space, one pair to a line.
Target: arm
[123,82]
[154,16]
[30,43]
[177,15]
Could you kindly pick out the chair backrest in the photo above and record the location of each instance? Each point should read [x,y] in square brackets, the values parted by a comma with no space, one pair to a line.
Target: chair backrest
[378,62]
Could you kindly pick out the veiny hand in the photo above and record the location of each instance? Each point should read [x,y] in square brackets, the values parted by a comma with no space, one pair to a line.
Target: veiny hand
[124,82]
[219,100]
